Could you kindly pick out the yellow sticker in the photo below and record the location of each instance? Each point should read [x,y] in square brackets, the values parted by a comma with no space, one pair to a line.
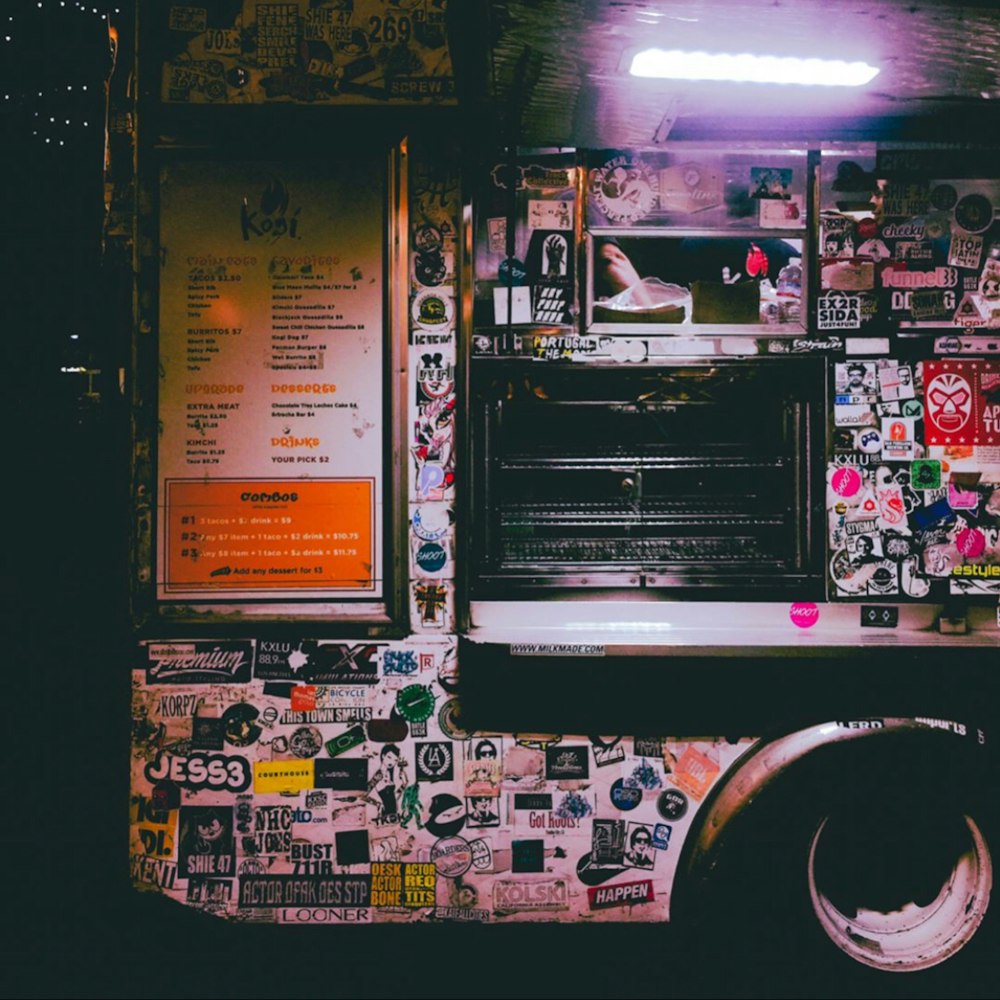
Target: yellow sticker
[271,776]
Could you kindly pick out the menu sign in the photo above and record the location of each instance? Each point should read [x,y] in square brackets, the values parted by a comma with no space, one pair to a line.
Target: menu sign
[270,396]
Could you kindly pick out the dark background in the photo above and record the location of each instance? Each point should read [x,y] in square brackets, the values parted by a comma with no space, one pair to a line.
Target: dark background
[72,925]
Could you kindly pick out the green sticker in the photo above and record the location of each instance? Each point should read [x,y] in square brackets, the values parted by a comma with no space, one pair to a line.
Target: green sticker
[415,703]
[925,474]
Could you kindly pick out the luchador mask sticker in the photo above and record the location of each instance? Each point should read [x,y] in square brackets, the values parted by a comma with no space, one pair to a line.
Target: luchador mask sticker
[949,405]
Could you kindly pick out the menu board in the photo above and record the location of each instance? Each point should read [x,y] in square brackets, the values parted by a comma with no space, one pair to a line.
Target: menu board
[270,453]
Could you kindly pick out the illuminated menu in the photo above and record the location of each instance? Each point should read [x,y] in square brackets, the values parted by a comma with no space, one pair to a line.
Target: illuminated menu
[271,347]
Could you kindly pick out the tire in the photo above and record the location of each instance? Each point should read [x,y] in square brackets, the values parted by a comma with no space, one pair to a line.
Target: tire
[863,861]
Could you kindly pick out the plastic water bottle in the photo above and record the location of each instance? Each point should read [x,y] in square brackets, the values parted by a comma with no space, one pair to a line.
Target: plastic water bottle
[790,291]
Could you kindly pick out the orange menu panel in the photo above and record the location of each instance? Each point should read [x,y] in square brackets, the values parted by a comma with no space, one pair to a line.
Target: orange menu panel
[257,534]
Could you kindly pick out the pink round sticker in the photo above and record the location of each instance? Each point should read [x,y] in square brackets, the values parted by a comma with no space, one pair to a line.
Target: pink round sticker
[804,614]
[846,482]
[971,542]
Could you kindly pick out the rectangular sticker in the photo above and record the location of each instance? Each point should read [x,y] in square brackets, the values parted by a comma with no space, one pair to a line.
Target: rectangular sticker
[305,890]
[271,776]
[550,214]
[622,894]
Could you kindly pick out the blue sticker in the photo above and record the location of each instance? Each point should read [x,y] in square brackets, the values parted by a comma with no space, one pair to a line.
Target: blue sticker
[431,557]
[661,836]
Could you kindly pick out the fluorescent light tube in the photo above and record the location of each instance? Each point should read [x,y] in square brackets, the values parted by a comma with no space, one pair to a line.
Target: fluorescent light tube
[675,64]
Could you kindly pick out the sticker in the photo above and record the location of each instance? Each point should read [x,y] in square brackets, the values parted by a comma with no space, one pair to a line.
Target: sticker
[270,891]
[497,235]
[895,381]
[550,214]
[943,197]
[974,213]
[527,856]
[428,239]
[803,614]
[621,894]
[624,190]
[960,498]
[305,742]
[566,762]
[965,251]
[854,416]
[240,725]
[949,402]
[415,702]
[884,579]
[198,662]
[971,542]
[431,558]
[270,777]
[519,896]
[869,441]
[452,856]
[690,187]
[661,836]
[639,850]
[432,311]
[925,474]
[430,268]
[431,522]
[625,797]
[672,804]
[898,443]
[445,815]
[846,481]
[206,845]
[347,740]
[434,761]
[347,775]
[607,848]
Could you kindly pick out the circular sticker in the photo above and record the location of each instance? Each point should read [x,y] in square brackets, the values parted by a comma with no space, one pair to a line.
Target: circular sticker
[432,311]
[846,481]
[971,542]
[623,189]
[625,797]
[672,804]
[803,614]
[912,408]
[415,702]
[240,722]
[306,741]
[427,239]
[452,856]
[869,441]
[449,720]
[431,522]
[884,579]
[850,579]
[943,197]
[974,213]
[431,557]
[445,815]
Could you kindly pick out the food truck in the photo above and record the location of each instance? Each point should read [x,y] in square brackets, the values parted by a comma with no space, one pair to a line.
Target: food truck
[540,516]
